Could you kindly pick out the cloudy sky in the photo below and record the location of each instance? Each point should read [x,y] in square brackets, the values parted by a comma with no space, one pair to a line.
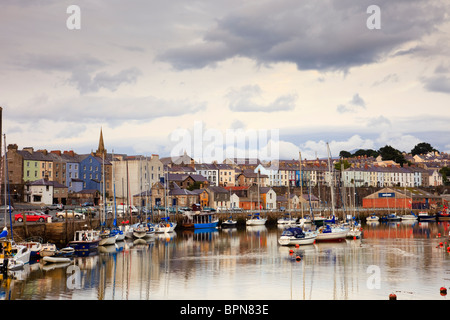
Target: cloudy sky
[153,73]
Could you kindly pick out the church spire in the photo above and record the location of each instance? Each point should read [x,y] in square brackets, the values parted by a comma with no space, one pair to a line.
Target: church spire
[101,146]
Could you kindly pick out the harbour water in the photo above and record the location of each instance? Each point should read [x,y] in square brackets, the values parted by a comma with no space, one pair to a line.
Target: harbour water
[409,260]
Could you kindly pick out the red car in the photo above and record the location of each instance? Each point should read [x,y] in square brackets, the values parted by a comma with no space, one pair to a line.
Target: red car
[32,216]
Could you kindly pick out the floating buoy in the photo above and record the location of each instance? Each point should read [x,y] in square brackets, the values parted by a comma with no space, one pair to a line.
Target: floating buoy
[297,258]
[439,235]
[354,237]
[448,249]
[441,244]
[443,291]
[392,297]
[291,251]
[297,245]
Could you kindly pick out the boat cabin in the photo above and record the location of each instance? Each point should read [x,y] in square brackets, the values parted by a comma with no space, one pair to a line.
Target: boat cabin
[86,235]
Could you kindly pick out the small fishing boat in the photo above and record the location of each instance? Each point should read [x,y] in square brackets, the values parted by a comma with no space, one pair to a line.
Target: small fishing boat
[140,231]
[85,241]
[425,216]
[12,255]
[65,252]
[34,247]
[408,217]
[287,220]
[443,215]
[331,233]
[165,226]
[107,237]
[48,250]
[372,218]
[393,217]
[295,235]
[199,219]
[255,220]
[229,223]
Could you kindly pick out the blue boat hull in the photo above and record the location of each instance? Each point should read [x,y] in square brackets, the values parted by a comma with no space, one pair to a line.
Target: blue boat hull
[206,225]
[84,246]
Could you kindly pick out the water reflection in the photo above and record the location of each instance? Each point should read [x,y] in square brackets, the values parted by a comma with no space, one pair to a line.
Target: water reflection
[247,263]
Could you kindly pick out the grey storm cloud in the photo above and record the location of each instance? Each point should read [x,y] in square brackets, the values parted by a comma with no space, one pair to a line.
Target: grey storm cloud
[353,105]
[319,35]
[243,100]
[84,71]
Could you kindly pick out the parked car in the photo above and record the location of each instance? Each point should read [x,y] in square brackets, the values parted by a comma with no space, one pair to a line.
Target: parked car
[87,211]
[2,208]
[87,204]
[122,210]
[53,207]
[69,214]
[32,216]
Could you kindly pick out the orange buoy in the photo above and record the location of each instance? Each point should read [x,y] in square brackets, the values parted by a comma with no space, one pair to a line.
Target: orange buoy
[443,291]
[297,245]
[291,251]
[392,297]
[297,258]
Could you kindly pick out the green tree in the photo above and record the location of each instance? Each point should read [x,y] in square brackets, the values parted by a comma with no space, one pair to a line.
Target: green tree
[422,148]
[389,153]
[340,164]
[345,154]
[445,171]
[366,152]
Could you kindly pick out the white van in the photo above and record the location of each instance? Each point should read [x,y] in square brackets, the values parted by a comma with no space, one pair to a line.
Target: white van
[122,210]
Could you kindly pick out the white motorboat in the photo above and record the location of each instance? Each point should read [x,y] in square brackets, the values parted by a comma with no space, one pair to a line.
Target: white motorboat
[295,235]
[140,231]
[425,216]
[372,218]
[409,217]
[287,220]
[48,250]
[255,220]
[229,223]
[34,247]
[107,238]
[332,233]
[165,227]
[12,255]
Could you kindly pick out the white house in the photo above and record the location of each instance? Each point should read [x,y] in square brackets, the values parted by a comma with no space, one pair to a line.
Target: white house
[234,201]
[40,192]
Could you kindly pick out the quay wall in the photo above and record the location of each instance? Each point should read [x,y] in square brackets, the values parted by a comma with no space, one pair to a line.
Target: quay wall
[62,232]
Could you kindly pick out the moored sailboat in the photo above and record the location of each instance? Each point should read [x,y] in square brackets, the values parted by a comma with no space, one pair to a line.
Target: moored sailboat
[296,236]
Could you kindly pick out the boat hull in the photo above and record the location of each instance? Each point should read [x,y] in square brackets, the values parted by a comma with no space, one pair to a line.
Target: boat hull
[84,246]
[55,259]
[292,241]
[256,222]
[107,241]
[335,235]
[229,224]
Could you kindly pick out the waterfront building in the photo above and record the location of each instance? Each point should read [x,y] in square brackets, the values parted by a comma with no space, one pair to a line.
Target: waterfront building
[43,191]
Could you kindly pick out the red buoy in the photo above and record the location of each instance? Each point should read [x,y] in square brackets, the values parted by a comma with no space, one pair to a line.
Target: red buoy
[392,297]
[443,291]
[297,258]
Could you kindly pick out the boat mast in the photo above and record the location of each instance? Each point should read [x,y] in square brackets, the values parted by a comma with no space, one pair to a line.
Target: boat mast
[301,180]
[114,187]
[7,189]
[331,180]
